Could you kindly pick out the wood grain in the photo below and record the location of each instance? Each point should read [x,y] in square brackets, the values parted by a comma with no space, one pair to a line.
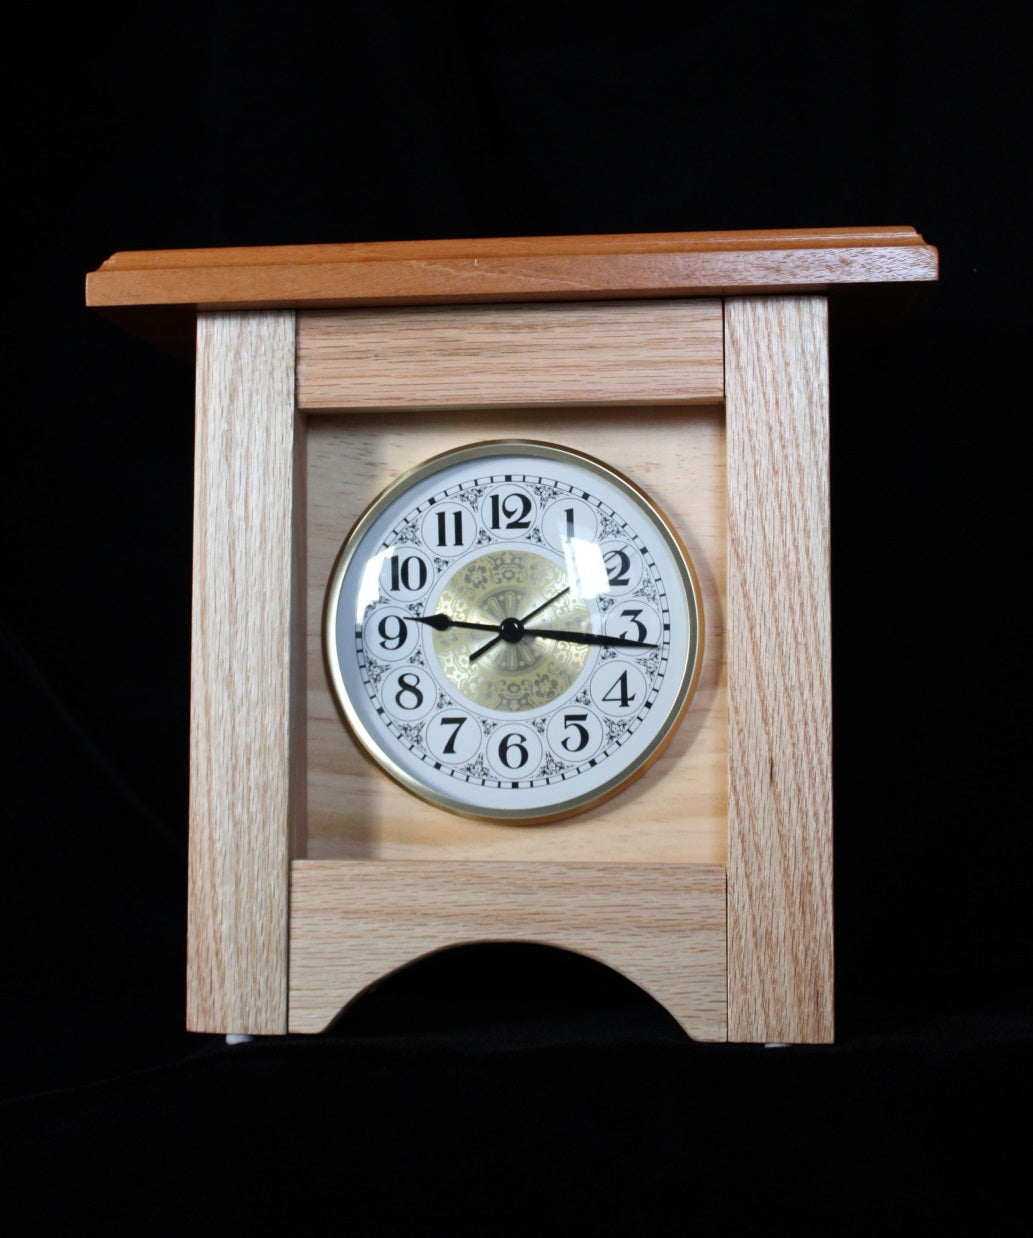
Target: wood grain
[517,246]
[644,352]
[676,812]
[241,666]
[510,269]
[780,961]
[661,926]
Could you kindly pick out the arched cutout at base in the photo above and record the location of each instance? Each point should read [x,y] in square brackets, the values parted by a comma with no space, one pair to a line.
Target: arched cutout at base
[508,986]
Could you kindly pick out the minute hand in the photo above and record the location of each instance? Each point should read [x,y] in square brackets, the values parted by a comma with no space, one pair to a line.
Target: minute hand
[588,638]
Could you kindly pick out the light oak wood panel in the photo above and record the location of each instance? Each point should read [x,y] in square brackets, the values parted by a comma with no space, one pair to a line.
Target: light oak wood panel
[298,652]
[510,269]
[676,812]
[241,659]
[662,927]
[780,960]
[644,352]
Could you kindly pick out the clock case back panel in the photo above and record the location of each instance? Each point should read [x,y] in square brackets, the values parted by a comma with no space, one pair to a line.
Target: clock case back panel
[677,811]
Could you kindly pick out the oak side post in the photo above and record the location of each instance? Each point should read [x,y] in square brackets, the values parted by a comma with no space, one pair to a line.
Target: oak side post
[241,668]
[780,961]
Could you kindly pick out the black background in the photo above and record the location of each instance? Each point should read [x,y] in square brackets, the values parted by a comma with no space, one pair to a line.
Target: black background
[498,1089]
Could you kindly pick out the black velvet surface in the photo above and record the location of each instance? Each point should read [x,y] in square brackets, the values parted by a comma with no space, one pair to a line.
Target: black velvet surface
[516,1089]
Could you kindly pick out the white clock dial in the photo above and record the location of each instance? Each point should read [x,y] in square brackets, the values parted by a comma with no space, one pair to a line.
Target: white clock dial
[513,631]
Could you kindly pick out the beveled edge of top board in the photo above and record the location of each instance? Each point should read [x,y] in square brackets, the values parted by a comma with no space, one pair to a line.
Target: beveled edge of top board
[511,269]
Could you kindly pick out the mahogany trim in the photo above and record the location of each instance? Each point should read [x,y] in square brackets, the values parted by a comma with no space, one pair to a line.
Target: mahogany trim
[511,269]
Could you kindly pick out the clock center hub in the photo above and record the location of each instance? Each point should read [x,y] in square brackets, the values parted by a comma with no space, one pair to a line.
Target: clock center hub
[518,673]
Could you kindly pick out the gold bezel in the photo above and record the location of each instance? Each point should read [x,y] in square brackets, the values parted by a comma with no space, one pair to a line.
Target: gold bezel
[689,675]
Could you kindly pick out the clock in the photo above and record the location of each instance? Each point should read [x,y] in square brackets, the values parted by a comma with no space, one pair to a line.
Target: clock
[513,630]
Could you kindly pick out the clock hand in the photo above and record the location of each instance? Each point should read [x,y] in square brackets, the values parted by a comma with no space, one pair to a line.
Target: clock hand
[442,623]
[513,629]
[588,638]
[545,605]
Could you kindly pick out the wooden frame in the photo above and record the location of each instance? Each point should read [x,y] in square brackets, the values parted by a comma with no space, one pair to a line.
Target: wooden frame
[743,951]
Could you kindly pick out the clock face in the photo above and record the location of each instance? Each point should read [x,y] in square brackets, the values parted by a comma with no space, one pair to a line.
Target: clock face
[513,631]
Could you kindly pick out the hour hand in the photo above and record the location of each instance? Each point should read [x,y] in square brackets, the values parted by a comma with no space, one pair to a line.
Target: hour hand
[441,623]
[588,638]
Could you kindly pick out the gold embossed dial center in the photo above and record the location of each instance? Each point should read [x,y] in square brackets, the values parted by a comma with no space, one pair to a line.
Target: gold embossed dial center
[518,676]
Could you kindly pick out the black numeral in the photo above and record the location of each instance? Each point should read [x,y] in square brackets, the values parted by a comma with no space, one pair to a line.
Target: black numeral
[633,615]
[581,738]
[618,568]
[513,743]
[409,573]
[457,528]
[514,508]
[456,723]
[624,697]
[393,630]
[410,687]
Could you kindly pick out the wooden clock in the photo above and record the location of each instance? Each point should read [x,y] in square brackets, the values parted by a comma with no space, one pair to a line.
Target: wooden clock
[511,611]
